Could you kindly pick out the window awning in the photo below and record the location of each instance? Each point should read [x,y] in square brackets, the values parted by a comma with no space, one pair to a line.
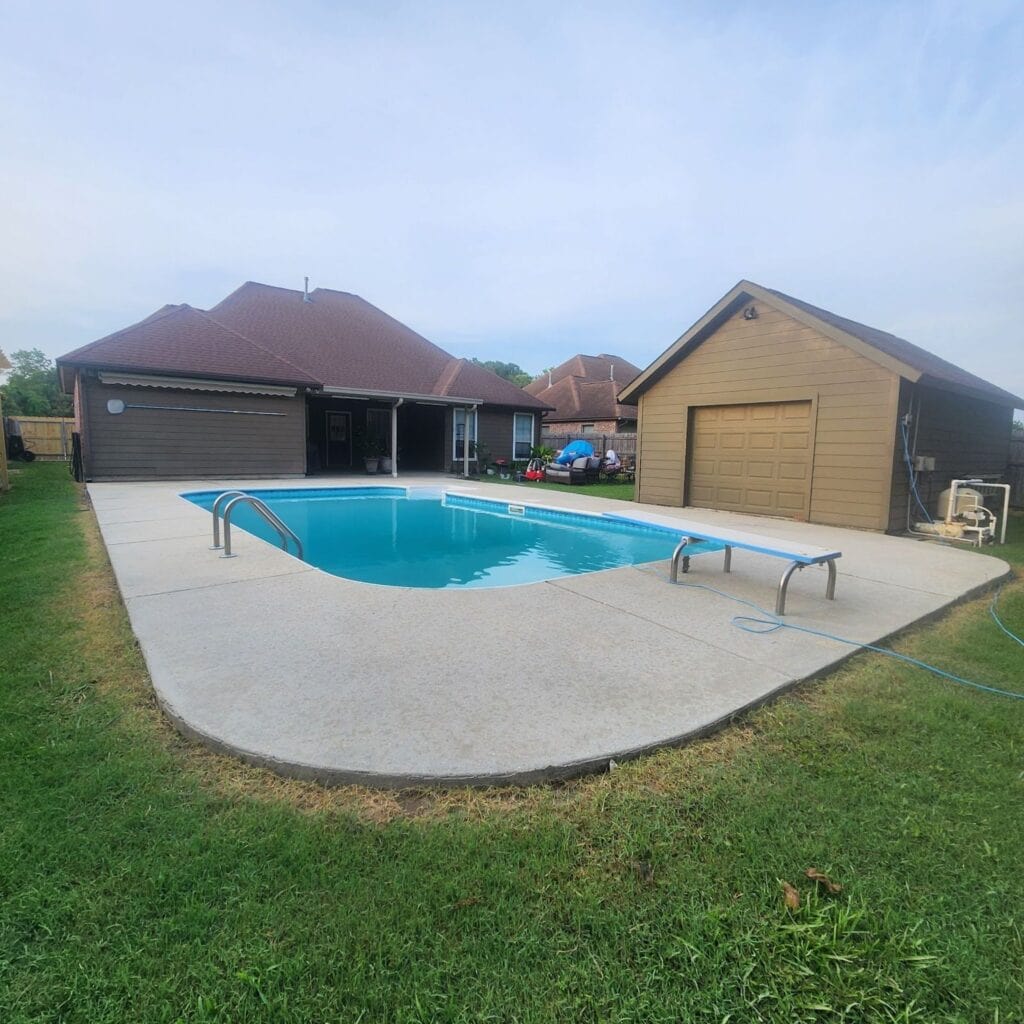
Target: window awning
[148,380]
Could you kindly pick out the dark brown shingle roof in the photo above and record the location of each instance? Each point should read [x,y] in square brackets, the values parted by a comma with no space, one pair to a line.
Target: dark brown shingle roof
[895,354]
[932,366]
[602,367]
[582,388]
[186,341]
[260,332]
[343,341]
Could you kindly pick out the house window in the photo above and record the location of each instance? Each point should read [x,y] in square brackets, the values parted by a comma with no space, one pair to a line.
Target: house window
[522,435]
[459,433]
[588,428]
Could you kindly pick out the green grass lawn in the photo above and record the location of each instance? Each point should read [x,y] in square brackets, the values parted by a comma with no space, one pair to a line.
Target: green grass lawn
[144,879]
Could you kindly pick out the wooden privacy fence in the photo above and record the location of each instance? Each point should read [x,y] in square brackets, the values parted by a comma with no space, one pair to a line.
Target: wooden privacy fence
[621,444]
[48,436]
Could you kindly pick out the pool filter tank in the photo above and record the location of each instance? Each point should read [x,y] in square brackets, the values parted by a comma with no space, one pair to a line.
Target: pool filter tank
[961,515]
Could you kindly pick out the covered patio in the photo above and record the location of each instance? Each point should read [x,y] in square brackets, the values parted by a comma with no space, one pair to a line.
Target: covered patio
[413,433]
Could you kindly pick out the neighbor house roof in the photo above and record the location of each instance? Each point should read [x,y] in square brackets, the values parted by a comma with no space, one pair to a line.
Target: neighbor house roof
[333,340]
[586,388]
[894,353]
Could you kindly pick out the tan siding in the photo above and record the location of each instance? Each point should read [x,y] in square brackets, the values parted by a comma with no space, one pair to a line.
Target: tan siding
[777,359]
[160,443]
[661,442]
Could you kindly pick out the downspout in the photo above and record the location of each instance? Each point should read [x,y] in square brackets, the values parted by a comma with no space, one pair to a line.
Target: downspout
[394,438]
[465,439]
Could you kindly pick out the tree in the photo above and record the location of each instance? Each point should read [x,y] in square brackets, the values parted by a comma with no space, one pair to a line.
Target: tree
[32,388]
[510,371]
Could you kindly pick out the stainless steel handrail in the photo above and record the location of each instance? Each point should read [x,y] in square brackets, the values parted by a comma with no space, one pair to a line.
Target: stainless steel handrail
[218,501]
[282,529]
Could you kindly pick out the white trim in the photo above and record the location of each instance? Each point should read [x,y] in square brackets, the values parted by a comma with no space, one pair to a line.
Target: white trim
[533,427]
[475,438]
[146,380]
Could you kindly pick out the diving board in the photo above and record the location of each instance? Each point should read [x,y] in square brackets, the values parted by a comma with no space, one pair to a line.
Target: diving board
[798,555]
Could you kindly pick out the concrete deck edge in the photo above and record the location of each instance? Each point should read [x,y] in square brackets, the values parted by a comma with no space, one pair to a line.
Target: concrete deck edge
[329,776]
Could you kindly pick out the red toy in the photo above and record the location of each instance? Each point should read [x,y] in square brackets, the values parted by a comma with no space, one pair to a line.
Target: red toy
[534,470]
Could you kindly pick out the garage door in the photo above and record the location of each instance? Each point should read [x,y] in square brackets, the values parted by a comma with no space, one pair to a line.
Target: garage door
[752,458]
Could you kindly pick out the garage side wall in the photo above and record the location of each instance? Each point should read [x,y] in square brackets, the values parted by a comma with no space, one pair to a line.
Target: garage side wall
[966,436]
[154,444]
[775,358]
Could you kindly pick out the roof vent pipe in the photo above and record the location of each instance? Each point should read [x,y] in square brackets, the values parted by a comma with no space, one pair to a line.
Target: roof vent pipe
[611,371]
[305,291]
[549,378]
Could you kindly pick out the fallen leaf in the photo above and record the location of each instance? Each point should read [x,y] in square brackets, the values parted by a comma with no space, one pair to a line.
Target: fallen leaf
[819,876]
[790,896]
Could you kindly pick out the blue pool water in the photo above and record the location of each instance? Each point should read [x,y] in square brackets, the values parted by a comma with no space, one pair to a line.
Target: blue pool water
[382,535]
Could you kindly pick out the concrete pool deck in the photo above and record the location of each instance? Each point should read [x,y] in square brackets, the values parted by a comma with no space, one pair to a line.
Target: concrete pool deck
[314,676]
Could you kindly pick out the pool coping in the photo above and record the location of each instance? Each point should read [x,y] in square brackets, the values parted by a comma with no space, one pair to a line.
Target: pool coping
[164,614]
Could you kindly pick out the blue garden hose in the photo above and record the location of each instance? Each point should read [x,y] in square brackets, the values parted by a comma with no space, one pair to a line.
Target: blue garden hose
[999,622]
[768,623]
[912,476]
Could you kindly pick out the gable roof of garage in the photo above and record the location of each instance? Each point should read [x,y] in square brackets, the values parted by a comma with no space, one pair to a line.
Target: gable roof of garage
[331,339]
[894,353]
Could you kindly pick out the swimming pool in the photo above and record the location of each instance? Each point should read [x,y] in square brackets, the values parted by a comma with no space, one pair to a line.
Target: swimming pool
[434,539]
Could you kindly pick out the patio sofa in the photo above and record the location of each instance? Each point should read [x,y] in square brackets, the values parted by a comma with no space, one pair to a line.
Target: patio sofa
[583,470]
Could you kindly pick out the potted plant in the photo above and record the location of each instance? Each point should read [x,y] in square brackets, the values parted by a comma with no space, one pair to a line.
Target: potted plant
[371,448]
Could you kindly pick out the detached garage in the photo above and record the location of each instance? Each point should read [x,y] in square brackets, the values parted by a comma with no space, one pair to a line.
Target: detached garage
[769,405]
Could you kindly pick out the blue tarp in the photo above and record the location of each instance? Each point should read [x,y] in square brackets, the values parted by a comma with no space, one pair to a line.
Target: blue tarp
[574,450]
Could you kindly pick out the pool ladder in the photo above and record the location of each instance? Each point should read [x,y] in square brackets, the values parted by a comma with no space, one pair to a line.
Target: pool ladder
[230,500]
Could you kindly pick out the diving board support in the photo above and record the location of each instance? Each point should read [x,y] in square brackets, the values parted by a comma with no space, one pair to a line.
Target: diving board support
[804,557]
[830,587]
[679,557]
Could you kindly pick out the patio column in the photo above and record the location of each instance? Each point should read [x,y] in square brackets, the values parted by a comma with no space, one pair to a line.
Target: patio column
[394,438]
[465,440]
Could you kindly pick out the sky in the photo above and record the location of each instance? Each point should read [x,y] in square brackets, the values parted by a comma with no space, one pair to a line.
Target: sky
[518,182]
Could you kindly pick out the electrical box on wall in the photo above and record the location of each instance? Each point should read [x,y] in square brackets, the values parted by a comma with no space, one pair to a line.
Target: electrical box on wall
[924,463]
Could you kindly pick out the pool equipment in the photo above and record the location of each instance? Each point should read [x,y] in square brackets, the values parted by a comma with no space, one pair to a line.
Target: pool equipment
[963,515]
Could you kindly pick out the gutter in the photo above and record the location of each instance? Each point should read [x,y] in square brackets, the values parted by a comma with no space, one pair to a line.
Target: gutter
[406,396]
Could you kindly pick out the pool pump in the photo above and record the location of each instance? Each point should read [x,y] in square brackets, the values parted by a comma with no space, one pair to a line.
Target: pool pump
[963,516]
